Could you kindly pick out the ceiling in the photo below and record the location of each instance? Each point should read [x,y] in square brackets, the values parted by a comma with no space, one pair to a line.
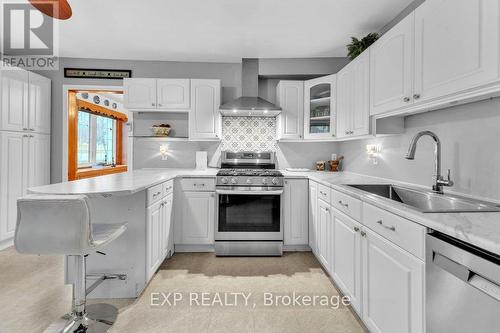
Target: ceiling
[219,30]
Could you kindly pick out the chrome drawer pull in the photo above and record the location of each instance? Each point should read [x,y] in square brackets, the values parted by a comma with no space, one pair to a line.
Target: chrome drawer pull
[356,229]
[392,228]
[343,204]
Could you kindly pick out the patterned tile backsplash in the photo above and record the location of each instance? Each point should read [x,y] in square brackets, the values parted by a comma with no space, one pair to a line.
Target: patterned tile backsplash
[249,134]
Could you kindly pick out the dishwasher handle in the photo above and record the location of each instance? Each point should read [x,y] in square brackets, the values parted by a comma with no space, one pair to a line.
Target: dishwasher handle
[465,274]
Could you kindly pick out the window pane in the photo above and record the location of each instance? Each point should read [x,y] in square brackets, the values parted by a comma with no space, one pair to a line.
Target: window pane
[83,138]
[105,141]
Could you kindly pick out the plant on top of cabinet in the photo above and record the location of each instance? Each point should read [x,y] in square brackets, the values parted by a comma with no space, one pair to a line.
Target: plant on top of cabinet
[357,46]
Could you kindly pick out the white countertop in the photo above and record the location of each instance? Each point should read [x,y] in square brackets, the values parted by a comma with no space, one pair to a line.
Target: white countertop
[480,229]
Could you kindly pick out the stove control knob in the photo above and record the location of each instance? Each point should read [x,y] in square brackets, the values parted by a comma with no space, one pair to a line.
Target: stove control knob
[249,181]
[234,180]
[275,181]
[264,180]
[224,180]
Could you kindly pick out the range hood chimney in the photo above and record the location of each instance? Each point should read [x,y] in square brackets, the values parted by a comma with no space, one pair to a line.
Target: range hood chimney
[250,104]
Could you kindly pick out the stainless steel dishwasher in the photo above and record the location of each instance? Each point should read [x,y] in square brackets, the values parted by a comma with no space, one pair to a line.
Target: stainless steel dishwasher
[462,287]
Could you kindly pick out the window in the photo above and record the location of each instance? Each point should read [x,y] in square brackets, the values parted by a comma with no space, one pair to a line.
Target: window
[96,140]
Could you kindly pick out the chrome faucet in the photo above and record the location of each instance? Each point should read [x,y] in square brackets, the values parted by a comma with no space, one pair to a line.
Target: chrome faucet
[440,181]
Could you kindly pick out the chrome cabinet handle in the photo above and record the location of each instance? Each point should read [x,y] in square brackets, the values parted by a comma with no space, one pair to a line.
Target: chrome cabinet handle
[32,129]
[25,128]
[406,99]
[199,185]
[416,96]
[156,194]
[152,104]
[159,105]
[356,229]
[392,228]
[343,204]
[363,233]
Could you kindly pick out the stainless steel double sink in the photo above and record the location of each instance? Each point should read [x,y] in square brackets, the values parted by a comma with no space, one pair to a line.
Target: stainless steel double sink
[427,201]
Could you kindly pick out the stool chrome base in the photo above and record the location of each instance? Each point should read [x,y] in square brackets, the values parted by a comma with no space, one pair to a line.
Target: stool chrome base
[98,319]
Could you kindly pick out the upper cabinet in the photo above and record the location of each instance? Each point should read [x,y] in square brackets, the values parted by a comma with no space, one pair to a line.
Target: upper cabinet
[172,93]
[391,68]
[290,97]
[25,101]
[353,98]
[156,94]
[319,107]
[204,117]
[456,44]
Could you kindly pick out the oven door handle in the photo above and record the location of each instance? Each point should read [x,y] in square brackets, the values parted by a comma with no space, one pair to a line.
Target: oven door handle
[236,192]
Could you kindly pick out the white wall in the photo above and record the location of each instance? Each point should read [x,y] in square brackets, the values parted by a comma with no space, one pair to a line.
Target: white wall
[470,136]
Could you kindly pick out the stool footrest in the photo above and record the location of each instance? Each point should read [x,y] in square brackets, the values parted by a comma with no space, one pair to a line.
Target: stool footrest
[100,278]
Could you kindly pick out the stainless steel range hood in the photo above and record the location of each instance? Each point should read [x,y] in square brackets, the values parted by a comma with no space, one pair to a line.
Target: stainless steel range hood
[250,104]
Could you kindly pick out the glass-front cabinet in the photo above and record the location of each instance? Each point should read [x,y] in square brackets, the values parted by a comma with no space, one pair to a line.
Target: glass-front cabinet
[319,108]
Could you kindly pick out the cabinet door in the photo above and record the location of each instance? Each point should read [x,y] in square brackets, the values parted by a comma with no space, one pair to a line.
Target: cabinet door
[198,216]
[324,232]
[313,211]
[290,97]
[153,256]
[14,100]
[39,104]
[345,82]
[346,256]
[204,117]
[139,93]
[173,94]
[360,95]
[166,224]
[296,213]
[391,68]
[12,179]
[319,107]
[38,160]
[393,287]
[456,46]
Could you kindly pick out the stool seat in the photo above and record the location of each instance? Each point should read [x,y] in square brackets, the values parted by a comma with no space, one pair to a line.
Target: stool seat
[103,234]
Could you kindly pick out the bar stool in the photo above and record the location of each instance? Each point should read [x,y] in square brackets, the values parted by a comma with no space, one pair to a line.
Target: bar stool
[61,225]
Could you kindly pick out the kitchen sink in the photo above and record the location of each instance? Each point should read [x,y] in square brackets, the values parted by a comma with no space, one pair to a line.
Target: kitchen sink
[427,201]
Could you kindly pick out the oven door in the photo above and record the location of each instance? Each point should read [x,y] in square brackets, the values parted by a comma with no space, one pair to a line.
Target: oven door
[249,215]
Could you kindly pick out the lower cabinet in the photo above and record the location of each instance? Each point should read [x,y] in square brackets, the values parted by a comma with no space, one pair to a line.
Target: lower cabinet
[197,218]
[346,248]
[296,212]
[393,287]
[159,220]
[324,234]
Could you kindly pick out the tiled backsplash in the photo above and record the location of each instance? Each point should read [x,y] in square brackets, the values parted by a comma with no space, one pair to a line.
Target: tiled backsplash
[249,134]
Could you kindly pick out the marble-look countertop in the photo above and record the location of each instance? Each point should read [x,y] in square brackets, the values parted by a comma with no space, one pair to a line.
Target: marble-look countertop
[480,229]
[121,183]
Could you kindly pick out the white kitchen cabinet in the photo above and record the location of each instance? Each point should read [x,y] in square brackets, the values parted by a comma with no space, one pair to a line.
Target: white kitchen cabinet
[172,94]
[346,256]
[24,162]
[204,117]
[39,104]
[14,99]
[166,225]
[196,223]
[391,68]
[353,97]
[313,220]
[139,93]
[320,108]
[393,287]
[154,237]
[296,212]
[290,97]
[456,46]
[323,238]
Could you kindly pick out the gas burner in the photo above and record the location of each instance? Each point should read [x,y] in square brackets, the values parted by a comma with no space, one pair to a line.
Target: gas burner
[250,172]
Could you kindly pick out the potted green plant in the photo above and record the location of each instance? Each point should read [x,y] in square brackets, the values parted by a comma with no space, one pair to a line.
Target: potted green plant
[357,46]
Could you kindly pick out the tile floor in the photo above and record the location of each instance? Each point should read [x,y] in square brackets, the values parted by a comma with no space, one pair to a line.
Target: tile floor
[32,295]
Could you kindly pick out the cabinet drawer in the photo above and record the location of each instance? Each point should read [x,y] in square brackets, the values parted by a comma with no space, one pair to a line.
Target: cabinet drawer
[168,187]
[198,184]
[402,232]
[347,205]
[155,193]
[324,192]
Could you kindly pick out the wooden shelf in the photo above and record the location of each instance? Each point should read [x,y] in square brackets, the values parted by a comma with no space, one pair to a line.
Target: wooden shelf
[163,138]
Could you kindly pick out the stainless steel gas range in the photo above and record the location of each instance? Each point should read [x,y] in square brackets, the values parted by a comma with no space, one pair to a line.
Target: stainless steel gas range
[250,205]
